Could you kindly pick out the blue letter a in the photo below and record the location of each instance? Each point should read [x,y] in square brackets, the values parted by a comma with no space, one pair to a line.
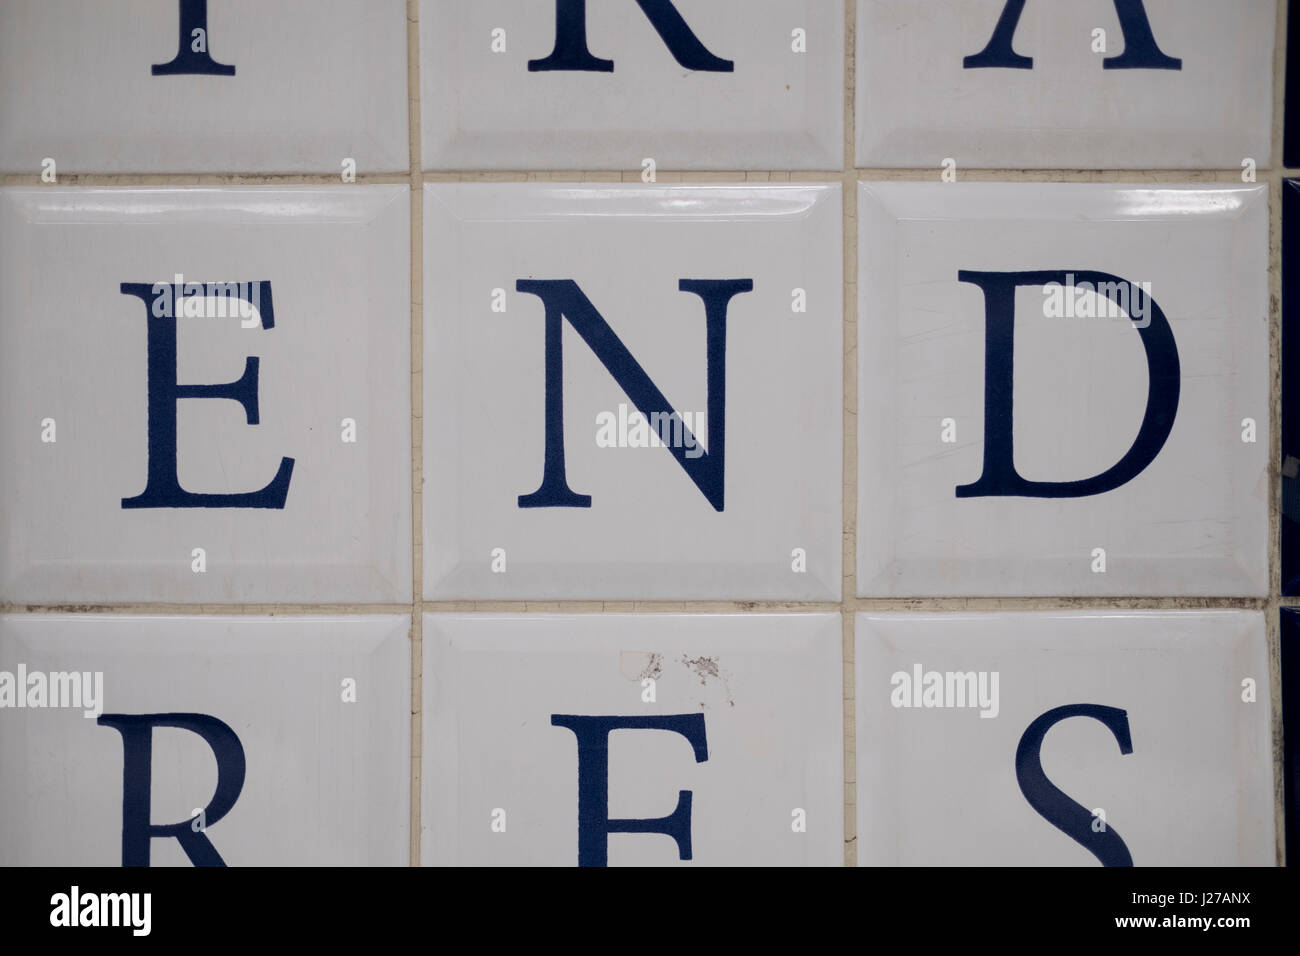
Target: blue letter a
[1141,52]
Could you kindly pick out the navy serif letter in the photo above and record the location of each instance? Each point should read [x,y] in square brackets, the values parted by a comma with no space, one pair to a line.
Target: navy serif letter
[192,56]
[1072,819]
[1140,49]
[137,783]
[564,300]
[571,51]
[163,488]
[1000,477]
[594,823]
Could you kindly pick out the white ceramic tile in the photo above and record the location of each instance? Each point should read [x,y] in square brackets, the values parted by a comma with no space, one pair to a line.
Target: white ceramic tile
[1141,474]
[302,85]
[99,504]
[691,84]
[247,719]
[735,718]
[931,84]
[1141,715]
[758,517]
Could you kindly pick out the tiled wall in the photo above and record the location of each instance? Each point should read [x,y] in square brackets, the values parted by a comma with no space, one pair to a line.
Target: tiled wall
[448,225]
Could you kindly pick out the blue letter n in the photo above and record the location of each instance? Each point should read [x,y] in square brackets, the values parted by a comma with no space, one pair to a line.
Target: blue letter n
[564,300]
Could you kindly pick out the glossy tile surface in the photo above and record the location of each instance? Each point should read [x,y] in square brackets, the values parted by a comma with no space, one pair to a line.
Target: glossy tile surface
[291,86]
[736,718]
[692,84]
[291,735]
[1064,739]
[1291,87]
[1042,440]
[718,304]
[1181,84]
[166,439]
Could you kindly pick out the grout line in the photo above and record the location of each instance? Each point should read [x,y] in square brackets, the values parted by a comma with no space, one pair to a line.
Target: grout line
[272,610]
[849,444]
[848,604]
[1271,626]
[417,419]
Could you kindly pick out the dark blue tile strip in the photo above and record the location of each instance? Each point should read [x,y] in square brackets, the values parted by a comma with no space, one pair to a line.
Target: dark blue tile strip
[1290,639]
[1290,413]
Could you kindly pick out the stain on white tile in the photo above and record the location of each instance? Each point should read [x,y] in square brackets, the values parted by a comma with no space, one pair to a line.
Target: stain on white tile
[1122,738]
[204,741]
[172,86]
[686,84]
[549,739]
[206,395]
[632,392]
[1093,84]
[1063,390]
